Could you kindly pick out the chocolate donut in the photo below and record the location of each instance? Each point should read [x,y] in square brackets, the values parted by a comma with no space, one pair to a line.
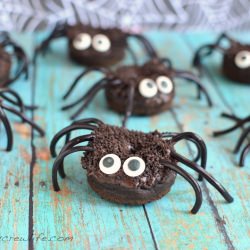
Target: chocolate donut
[131,167]
[236,63]
[151,185]
[5,66]
[118,95]
[93,56]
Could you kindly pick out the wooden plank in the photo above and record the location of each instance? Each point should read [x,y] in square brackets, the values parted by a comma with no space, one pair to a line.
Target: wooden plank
[95,223]
[15,169]
[235,99]
[173,226]
[76,211]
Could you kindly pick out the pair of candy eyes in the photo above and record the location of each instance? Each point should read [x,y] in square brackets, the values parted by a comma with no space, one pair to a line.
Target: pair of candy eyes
[99,42]
[111,163]
[149,88]
[242,59]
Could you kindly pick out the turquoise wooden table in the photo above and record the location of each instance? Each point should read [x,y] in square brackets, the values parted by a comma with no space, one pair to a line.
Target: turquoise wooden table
[33,216]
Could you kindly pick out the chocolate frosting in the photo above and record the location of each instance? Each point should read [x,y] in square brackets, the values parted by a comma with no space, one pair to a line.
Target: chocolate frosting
[124,143]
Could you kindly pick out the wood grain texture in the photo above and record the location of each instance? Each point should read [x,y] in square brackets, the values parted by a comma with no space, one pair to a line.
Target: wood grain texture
[97,224]
[15,170]
[236,100]
[77,210]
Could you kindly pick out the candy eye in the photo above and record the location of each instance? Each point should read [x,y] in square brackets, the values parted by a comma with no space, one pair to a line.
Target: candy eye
[164,84]
[101,43]
[134,166]
[242,59]
[110,164]
[82,41]
[148,88]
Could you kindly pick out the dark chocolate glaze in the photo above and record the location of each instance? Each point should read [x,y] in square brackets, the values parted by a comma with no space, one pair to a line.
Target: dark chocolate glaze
[152,184]
[92,57]
[124,195]
[5,66]
[230,69]
[117,95]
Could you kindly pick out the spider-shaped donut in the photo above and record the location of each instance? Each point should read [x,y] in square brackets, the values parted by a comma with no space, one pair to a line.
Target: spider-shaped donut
[9,97]
[236,58]
[131,167]
[6,60]
[140,90]
[95,46]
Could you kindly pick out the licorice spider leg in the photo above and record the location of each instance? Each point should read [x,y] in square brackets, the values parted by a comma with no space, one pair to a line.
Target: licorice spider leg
[192,78]
[192,182]
[85,72]
[129,109]
[65,131]
[149,48]
[244,153]
[24,119]
[8,129]
[89,95]
[204,174]
[201,145]
[59,160]
[71,144]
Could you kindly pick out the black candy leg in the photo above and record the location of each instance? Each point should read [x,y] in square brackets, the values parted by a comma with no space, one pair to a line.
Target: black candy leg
[244,153]
[8,129]
[193,183]
[129,109]
[58,162]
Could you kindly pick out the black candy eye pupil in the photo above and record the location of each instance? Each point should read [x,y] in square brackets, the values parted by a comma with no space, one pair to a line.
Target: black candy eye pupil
[164,84]
[150,85]
[134,165]
[108,162]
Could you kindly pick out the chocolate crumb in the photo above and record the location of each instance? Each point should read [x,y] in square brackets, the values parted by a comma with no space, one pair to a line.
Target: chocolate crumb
[42,184]
[115,140]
